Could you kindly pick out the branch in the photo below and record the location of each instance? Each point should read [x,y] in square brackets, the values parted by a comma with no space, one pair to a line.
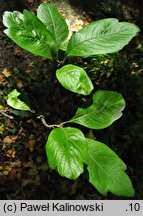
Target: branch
[4,113]
[42,118]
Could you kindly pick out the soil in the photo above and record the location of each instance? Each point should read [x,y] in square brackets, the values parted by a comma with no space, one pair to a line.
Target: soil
[24,171]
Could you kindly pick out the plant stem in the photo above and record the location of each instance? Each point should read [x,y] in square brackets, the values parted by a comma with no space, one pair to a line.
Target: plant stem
[63,61]
[42,118]
[4,113]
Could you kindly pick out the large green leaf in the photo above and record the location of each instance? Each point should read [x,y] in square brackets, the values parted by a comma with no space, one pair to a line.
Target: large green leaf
[64,150]
[100,37]
[75,79]
[106,170]
[16,103]
[54,22]
[67,149]
[107,107]
[27,31]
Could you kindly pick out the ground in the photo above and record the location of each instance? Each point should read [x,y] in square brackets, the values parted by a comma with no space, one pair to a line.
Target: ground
[24,170]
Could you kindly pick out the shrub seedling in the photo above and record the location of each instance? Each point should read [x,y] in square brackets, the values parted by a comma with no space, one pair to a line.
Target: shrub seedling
[67,148]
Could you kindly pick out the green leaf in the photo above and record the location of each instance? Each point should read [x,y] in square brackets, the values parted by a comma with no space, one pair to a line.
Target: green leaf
[106,108]
[28,32]
[64,150]
[54,22]
[63,47]
[100,37]
[67,149]
[106,170]
[14,102]
[74,79]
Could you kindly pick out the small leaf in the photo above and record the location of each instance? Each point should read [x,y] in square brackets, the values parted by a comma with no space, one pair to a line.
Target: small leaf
[106,108]
[27,31]
[64,150]
[2,128]
[101,37]
[14,102]
[54,22]
[106,170]
[74,79]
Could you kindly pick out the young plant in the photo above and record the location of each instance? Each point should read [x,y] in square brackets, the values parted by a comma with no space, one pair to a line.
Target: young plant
[67,148]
